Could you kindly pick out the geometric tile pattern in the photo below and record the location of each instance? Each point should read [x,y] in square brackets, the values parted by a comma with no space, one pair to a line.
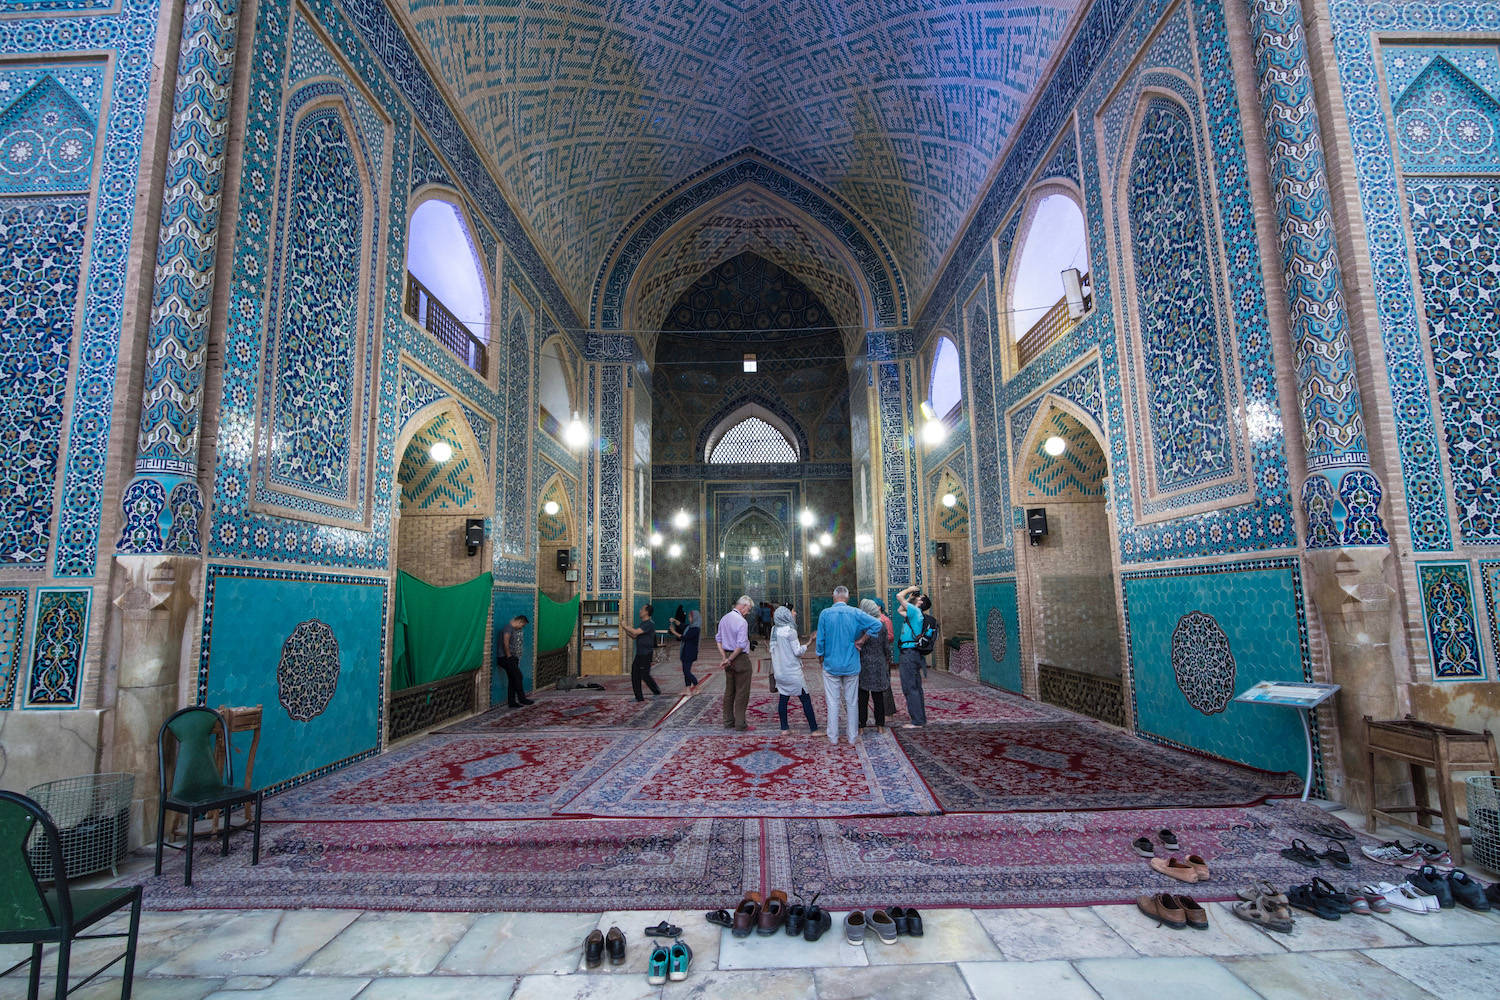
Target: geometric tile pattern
[1444,121]
[427,484]
[1331,418]
[1180,339]
[898,109]
[1076,474]
[1489,574]
[46,141]
[1455,229]
[41,252]
[1355,28]
[308,672]
[1202,662]
[1452,624]
[556,527]
[12,635]
[950,520]
[62,626]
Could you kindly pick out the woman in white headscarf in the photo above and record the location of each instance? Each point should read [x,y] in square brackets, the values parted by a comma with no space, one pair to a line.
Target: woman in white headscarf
[786,668]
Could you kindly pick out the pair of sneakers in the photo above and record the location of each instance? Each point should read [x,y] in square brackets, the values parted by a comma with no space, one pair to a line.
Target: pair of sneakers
[888,924]
[1449,888]
[1413,857]
[669,963]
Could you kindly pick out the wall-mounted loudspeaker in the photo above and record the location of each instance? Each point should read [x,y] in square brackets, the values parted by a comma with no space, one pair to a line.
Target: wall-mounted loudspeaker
[474,534]
[1036,523]
[941,548]
[563,560]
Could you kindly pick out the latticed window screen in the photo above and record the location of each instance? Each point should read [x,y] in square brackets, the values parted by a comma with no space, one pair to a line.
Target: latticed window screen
[752,440]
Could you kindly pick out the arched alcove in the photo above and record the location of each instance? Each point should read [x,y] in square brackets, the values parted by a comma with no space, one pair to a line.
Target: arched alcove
[1052,238]
[1070,622]
[447,290]
[952,587]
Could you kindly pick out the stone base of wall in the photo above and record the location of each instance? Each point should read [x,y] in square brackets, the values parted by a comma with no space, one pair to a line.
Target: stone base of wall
[1102,698]
[421,707]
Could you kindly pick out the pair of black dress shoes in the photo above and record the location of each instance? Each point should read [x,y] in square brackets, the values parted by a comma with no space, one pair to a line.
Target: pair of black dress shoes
[597,944]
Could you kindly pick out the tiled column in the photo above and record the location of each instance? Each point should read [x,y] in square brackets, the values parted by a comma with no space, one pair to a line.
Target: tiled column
[1347,545]
[163,504]
[608,524]
[894,438]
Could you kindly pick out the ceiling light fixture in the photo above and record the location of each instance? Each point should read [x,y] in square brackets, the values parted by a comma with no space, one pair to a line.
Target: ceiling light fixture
[681,520]
[807,517]
[440,451]
[1054,446]
[576,434]
[674,550]
[550,508]
[814,549]
[825,540]
[949,500]
[934,431]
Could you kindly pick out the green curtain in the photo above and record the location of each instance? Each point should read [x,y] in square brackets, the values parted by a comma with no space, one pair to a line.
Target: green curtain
[439,630]
[555,623]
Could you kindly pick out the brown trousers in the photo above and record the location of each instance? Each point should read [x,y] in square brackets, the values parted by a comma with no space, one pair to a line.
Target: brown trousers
[736,691]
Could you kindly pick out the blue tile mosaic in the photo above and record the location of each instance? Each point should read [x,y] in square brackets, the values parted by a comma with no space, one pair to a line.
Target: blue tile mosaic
[998,615]
[1489,574]
[1448,607]
[57,647]
[1191,644]
[13,602]
[310,648]
[46,140]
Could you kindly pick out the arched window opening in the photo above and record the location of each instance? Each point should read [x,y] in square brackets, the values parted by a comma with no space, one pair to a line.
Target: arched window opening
[445,287]
[1054,243]
[945,386]
[752,440]
[554,387]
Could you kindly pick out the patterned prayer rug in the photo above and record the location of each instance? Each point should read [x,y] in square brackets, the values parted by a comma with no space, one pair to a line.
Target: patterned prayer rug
[1073,764]
[695,773]
[499,865]
[1039,859]
[461,777]
[570,709]
[972,703]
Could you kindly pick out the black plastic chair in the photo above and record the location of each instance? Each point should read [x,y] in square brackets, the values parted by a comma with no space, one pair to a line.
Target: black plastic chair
[199,785]
[32,915]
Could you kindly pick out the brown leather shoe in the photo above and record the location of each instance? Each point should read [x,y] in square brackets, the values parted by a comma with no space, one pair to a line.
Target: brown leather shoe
[1173,868]
[746,915]
[1192,912]
[1163,908]
[773,914]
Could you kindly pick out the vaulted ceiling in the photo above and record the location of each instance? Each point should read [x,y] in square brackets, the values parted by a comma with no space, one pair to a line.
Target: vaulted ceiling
[591,110]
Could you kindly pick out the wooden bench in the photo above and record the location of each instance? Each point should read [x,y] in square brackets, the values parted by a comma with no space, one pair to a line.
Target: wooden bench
[1422,745]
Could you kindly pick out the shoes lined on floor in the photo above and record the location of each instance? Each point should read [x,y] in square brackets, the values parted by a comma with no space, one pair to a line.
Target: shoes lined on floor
[1264,905]
[1172,911]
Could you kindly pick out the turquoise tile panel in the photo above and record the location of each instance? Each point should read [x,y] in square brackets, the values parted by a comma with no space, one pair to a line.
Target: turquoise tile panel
[998,617]
[508,604]
[310,648]
[1202,634]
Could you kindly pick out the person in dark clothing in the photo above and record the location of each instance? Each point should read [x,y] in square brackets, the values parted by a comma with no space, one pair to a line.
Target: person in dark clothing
[688,631]
[645,648]
[508,653]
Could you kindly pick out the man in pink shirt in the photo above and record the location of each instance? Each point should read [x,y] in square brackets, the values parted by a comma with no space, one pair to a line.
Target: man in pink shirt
[733,638]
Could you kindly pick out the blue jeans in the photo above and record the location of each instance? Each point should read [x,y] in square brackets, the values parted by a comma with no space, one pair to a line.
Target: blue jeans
[807,710]
[687,673]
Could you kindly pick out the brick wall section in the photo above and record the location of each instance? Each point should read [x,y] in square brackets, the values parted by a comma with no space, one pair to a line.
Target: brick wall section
[1076,625]
[431,548]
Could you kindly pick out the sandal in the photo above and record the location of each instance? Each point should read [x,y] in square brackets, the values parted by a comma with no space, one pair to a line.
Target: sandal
[1330,896]
[1301,854]
[1303,898]
[1337,855]
[1255,912]
[1261,889]
[720,918]
[1331,831]
[663,929]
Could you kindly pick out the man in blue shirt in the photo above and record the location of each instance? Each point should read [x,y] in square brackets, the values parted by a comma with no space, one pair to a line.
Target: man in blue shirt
[911,661]
[842,630]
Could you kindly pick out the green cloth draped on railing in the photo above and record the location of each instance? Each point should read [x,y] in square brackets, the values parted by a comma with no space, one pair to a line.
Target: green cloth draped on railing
[555,623]
[439,630]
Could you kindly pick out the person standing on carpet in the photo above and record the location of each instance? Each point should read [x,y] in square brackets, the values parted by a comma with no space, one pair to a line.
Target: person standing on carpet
[645,648]
[508,653]
[688,631]
[841,631]
[874,671]
[733,638]
[911,615]
[786,668]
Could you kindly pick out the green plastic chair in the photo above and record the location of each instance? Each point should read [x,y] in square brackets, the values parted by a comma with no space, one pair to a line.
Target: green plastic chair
[32,915]
[199,784]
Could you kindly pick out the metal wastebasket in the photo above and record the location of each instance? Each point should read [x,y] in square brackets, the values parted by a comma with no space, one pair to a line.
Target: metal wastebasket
[1484,820]
[92,813]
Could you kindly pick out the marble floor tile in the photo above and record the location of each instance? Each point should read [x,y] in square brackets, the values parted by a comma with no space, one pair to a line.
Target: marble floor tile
[440,988]
[948,936]
[1456,926]
[1136,978]
[320,988]
[1349,932]
[699,934]
[390,944]
[1456,973]
[784,984]
[149,989]
[1328,975]
[161,936]
[1030,934]
[781,952]
[911,982]
[1226,934]
[1025,981]
[584,986]
[258,943]
[520,944]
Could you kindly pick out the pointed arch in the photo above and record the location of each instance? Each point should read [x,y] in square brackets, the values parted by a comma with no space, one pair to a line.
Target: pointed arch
[458,483]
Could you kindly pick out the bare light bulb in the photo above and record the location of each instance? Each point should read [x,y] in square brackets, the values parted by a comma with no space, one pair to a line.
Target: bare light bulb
[949,500]
[681,520]
[674,550]
[1054,446]
[825,539]
[656,539]
[814,549]
[806,517]
[440,451]
[551,507]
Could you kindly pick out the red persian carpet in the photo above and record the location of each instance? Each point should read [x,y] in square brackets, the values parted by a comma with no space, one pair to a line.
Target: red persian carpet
[1036,859]
[461,777]
[494,865]
[1072,763]
[692,773]
[591,709]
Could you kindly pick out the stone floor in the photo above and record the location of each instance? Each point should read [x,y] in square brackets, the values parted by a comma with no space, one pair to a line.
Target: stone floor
[1046,953]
